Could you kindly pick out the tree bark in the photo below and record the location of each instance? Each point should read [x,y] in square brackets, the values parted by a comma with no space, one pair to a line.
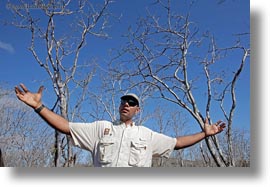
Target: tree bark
[1,159]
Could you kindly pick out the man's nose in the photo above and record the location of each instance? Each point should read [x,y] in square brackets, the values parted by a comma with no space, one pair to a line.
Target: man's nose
[125,103]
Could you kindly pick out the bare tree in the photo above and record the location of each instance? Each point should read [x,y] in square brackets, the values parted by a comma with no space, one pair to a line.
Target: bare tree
[166,50]
[24,138]
[172,123]
[59,57]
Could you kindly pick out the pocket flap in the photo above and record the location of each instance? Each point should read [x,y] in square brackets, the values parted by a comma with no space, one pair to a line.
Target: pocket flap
[139,144]
[106,141]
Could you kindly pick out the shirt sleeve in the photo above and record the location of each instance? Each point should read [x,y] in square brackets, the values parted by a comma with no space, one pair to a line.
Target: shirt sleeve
[85,135]
[162,145]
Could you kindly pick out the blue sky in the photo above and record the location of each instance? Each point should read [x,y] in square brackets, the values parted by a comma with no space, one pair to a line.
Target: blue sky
[260,173]
[223,18]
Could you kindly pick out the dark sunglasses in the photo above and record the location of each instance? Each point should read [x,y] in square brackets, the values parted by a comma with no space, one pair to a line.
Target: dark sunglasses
[130,102]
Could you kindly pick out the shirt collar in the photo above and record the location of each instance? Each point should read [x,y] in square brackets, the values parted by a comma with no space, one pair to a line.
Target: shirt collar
[120,123]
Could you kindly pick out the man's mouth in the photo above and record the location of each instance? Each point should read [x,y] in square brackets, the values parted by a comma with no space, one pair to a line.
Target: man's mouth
[124,110]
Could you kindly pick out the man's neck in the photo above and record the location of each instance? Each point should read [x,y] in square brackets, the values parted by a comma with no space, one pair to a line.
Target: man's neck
[128,122]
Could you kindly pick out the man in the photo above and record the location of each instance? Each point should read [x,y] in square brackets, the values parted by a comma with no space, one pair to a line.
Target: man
[121,143]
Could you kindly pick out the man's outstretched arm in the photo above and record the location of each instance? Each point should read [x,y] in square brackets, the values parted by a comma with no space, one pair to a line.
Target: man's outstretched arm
[209,130]
[34,100]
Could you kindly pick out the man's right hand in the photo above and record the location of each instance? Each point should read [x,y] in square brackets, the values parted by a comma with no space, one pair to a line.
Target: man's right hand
[34,100]
[31,99]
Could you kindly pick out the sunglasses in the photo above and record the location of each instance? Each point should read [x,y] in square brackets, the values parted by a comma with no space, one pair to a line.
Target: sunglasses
[130,102]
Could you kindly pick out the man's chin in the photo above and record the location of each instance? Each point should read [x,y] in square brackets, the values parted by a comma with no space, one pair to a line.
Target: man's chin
[124,117]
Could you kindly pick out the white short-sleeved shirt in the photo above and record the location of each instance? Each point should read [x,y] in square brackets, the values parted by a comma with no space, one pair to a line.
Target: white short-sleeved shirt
[118,145]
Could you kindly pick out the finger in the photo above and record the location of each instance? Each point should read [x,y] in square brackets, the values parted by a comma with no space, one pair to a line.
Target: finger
[219,122]
[40,90]
[24,88]
[206,121]
[19,93]
[223,125]
[17,90]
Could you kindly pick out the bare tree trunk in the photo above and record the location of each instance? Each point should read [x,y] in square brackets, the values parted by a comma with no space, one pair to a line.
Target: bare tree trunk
[57,149]
[1,159]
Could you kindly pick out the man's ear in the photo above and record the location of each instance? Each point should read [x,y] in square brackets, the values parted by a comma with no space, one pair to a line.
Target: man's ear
[138,110]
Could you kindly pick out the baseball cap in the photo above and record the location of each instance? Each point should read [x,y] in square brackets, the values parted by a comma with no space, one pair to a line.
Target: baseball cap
[131,95]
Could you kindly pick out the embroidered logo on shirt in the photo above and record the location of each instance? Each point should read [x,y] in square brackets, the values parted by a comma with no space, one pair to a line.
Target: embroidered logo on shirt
[106,131]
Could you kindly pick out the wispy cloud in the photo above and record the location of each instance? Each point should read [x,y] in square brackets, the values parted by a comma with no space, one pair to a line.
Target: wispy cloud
[7,47]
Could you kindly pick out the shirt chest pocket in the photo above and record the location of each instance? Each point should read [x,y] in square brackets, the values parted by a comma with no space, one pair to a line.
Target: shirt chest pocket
[107,149]
[138,152]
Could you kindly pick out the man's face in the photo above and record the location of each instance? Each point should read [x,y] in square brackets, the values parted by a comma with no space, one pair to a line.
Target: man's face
[128,108]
